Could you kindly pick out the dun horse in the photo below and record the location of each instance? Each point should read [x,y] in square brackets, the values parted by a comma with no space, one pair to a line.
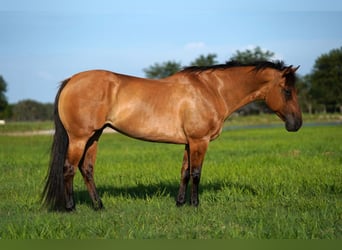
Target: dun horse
[187,108]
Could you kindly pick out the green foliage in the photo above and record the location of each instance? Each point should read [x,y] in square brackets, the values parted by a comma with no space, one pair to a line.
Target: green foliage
[165,69]
[162,70]
[256,184]
[203,60]
[326,80]
[3,99]
[305,99]
[30,110]
[250,56]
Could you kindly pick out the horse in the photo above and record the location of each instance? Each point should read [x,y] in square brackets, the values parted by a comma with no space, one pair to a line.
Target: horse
[188,107]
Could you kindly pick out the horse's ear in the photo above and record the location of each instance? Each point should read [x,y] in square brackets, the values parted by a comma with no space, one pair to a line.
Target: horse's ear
[290,70]
[295,69]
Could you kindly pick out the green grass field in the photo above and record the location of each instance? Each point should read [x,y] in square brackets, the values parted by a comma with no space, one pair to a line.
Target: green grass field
[256,183]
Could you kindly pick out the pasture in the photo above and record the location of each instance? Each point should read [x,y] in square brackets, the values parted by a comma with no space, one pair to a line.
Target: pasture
[257,183]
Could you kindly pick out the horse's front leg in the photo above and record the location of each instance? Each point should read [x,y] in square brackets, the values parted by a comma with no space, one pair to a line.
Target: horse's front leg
[185,177]
[198,149]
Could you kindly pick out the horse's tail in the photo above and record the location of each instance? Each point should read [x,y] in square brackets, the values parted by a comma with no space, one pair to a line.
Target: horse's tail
[53,193]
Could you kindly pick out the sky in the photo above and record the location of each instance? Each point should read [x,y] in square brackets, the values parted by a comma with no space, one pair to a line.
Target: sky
[44,42]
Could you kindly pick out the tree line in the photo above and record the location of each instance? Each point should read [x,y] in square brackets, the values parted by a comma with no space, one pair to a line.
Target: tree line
[28,110]
[318,91]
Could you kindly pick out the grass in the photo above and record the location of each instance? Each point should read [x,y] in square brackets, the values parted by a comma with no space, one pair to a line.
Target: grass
[256,183]
[15,127]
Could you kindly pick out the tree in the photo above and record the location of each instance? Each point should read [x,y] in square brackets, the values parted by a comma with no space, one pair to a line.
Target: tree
[165,69]
[207,60]
[305,99]
[3,99]
[30,110]
[249,56]
[326,80]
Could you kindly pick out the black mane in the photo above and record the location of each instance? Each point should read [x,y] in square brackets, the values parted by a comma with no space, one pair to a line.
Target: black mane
[259,65]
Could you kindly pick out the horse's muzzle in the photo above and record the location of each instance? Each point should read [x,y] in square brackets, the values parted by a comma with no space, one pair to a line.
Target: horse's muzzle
[293,123]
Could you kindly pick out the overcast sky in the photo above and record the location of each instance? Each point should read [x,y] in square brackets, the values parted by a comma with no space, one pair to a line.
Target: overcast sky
[43,42]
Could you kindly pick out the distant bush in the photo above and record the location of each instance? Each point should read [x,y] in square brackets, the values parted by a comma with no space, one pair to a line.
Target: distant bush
[30,110]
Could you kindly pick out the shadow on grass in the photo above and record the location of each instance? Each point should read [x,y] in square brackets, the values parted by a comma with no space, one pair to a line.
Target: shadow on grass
[163,189]
[138,191]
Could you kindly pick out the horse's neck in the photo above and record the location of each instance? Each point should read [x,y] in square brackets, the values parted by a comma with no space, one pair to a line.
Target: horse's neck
[239,88]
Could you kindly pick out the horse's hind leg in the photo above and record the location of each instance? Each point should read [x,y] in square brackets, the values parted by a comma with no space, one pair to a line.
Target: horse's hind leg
[69,173]
[74,156]
[87,169]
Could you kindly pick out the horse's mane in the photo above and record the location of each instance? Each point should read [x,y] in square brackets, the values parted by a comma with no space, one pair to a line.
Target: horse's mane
[259,65]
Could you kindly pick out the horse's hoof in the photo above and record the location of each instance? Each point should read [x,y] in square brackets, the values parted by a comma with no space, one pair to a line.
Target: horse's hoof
[98,205]
[70,209]
[180,204]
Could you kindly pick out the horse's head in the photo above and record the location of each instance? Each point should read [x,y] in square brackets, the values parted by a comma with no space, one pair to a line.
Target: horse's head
[282,98]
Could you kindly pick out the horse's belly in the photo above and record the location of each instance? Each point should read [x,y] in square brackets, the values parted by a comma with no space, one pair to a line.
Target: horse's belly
[150,129]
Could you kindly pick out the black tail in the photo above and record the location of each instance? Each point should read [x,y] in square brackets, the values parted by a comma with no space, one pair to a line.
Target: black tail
[53,193]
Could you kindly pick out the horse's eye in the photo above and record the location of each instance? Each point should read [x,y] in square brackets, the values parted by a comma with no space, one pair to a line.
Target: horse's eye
[287,93]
